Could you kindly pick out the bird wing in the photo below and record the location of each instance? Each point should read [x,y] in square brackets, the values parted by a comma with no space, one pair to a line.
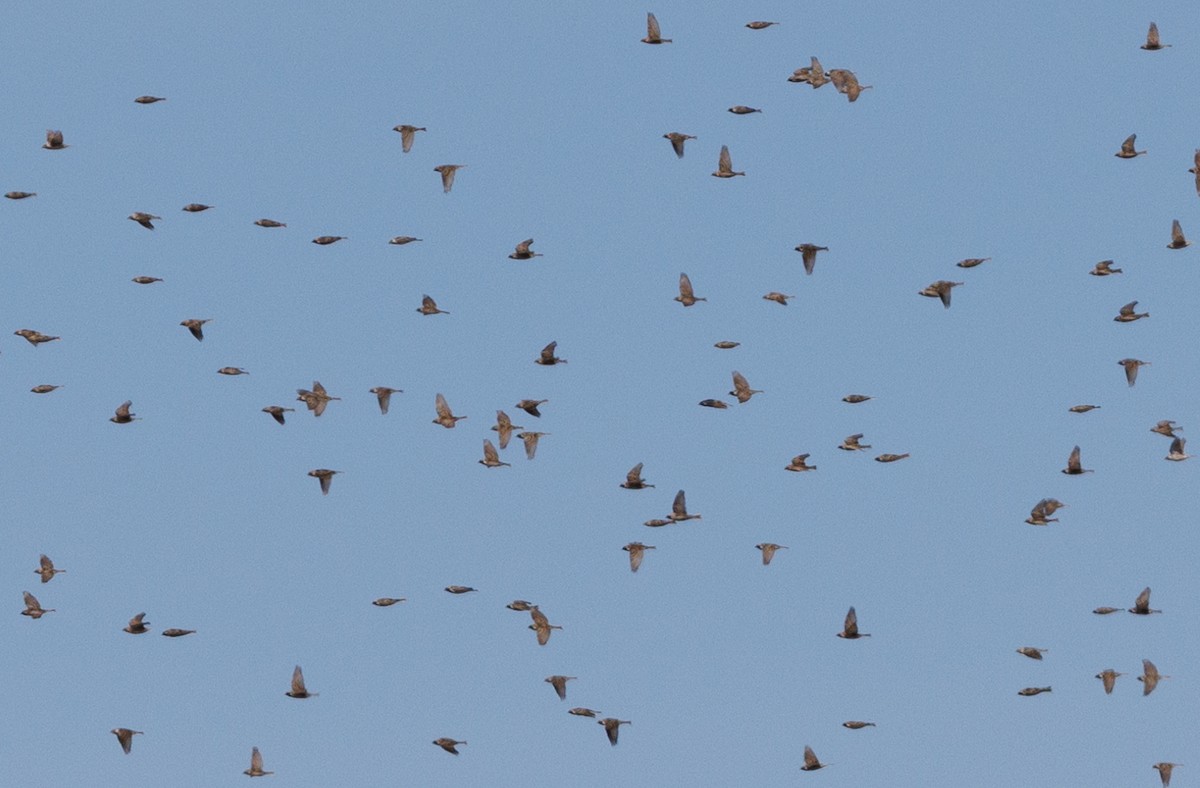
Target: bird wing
[31,602]
[851,626]
[298,682]
[1143,600]
[489,452]
[636,554]
[654,33]
[548,350]
[443,408]
[724,162]
[1073,463]
[1152,39]
[679,506]
[531,443]
[1176,232]
[685,287]
[810,757]
[523,247]
[1128,308]
[809,254]
[123,408]
[256,762]
[48,565]
[740,385]
[1127,145]
[677,141]
[635,474]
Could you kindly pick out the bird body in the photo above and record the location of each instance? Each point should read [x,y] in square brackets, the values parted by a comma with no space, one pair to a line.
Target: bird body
[448,745]
[447,171]
[33,608]
[530,406]
[504,427]
[1178,240]
[269,223]
[522,251]
[811,763]
[851,443]
[138,625]
[196,207]
[679,512]
[277,412]
[408,133]
[1031,691]
[317,399]
[1104,268]
[1074,465]
[808,254]
[383,395]
[611,726]
[125,737]
[430,307]
[971,262]
[444,416]
[34,338]
[560,684]
[54,140]
[768,551]
[175,632]
[1153,43]
[531,442]
[232,371]
[44,388]
[256,764]
[122,415]
[1131,366]
[1031,652]
[677,141]
[491,459]
[799,464]
[1127,151]
[46,569]
[326,240]
[144,219]
[1150,677]
[547,357]
[687,295]
[387,601]
[1109,677]
[149,99]
[777,297]
[634,480]
[940,289]
[1129,313]
[637,551]
[1176,453]
[1141,605]
[741,388]
[891,457]
[741,109]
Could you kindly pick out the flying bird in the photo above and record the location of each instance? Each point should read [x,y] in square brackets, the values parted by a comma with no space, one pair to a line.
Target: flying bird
[531,442]
[971,262]
[677,141]
[760,25]
[325,476]
[1195,168]
[1029,692]
[1031,652]
[768,551]
[687,296]
[232,371]
[1176,453]
[891,457]
[326,240]
[855,725]
[149,99]
[125,737]
[530,406]
[1105,610]
[1129,313]
[1153,43]
[522,251]
[637,551]
[20,195]
[653,33]
[741,109]
[465,590]
[611,727]
[34,338]
[1109,677]
[315,400]
[138,625]
[1178,241]
[504,427]
[580,711]
[54,140]
[1104,268]
[799,464]
[850,627]
[144,219]
[726,345]
[1165,768]
[196,327]
[520,605]
[407,135]
[855,399]
[777,297]
[811,763]
[634,480]
[725,165]
[1149,677]
[44,388]
[256,764]
[814,74]
[1131,368]
[123,416]
[541,625]
[560,684]
[1082,408]
[741,388]
[808,254]
[387,601]
[847,83]
[491,459]
[46,569]
[851,443]
[1074,467]
[1166,427]
[298,689]
[447,171]
[175,632]
[940,289]
[1141,605]
[679,512]
[1040,514]
[33,608]
[444,416]
[1127,151]
[269,223]
[547,357]
[401,240]
[196,207]
[383,394]
[448,744]
[430,307]
[277,412]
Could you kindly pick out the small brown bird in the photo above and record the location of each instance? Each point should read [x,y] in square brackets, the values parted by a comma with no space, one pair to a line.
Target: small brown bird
[466,590]
[971,262]
[326,240]
[145,280]
[1165,768]
[196,207]
[768,551]
[1152,41]
[256,764]
[1131,368]
[687,296]
[634,480]
[148,99]
[123,416]
[138,625]
[54,140]
[799,464]
[1109,677]
[277,412]
[401,240]
[46,569]
[814,74]
[725,165]
[1040,514]
[726,345]
[269,223]
[504,427]
[850,627]
[547,357]
[777,297]
[677,141]
[34,338]
[891,457]
[520,605]
[1082,408]
[1074,467]
[1104,268]
[1176,452]
[560,684]
[847,83]
[1031,691]
[1129,313]
[1149,677]
[325,476]
[741,388]
[447,171]
[298,689]
[580,711]
[448,744]
[1141,605]
[656,523]
[530,406]
[44,388]
[808,254]
[491,459]
[679,512]
[1127,151]
[383,394]
[387,601]
[611,727]
[144,219]
[741,109]
[125,737]
[760,25]
[1031,652]
[430,307]
[444,416]
[855,725]
[1195,168]
[522,251]
[811,763]
[855,399]
[33,608]
[851,443]
[1178,241]
[541,625]
[407,135]
[19,195]
[317,399]
[653,33]
[713,403]
[940,289]
[637,551]
[1104,611]
[173,632]
[1166,427]
[232,371]
[531,442]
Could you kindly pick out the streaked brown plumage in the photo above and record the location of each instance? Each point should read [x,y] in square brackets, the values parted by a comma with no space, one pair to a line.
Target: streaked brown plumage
[44,388]
[1131,368]
[1104,268]
[175,632]
[1105,610]
[317,399]
[679,512]
[401,240]
[891,457]
[1141,605]
[466,590]
[1127,151]
[1164,769]
[298,689]
[34,338]
[33,608]
[768,551]
[326,240]
[1040,514]
[522,251]
[580,711]
[256,764]
[847,83]
[145,280]
[54,140]
[520,605]
[851,443]
[148,99]
[541,625]
[125,737]
[46,569]
[611,727]
[855,725]
[741,109]
[637,551]
[657,523]
[1029,692]
[814,74]
[504,427]
[123,416]
[1176,452]
[1178,241]
[1153,43]
[741,388]
[677,141]
[269,223]
[850,627]
[430,307]
[232,371]
[777,297]
[799,464]
[1195,168]
[407,135]
[531,442]
[1150,677]
[444,416]
[653,33]
[1109,677]
[138,625]
[491,459]
[971,262]
[1129,313]
[387,601]
[530,406]
[144,219]
[447,171]
[325,476]
[725,165]
[547,357]
[448,744]
[19,195]
[560,684]
[1166,427]
[1074,466]
[196,207]
[811,763]
[277,412]
[383,395]
[1082,408]
[634,480]
[760,25]
[1031,652]
[687,295]
[940,289]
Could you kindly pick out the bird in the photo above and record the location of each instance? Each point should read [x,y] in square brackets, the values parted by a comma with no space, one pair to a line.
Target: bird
[34,338]
[653,33]
[850,627]
[940,289]
[298,689]
[196,207]
[741,109]
[196,326]
[520,605]
[1153,43]
[541,625]
[522,251]
[531,442]
[504,427]
[384,395]
[1178,241]
[1165,768]
[741,388]
[54,140]
[407,135]
[145,280]
[1127,151]
[760,25]
[256,764]
[811,762]
[1109,677]
[891,457]
[1176,453]
[19,195]
[315,400]
[1141,605]
[637,551]
[547,357]
[1104,268]
[123,416]
[148,99]
[33,608]
[277,412]
[1194,169]
[855,725]
[448,744]
[1149,677]
[325,476]
[430,307]
[232,371]
[814,74]
[447,171]
[326,240]
[463,590]
[138,625]
[656,523]
[144,219]
[1166,427]
[1104,611]
[269,223]
[679,512]
[560,684]
[971,262]
[1031,652]
[491,459]
[530,406]
[714,403]
[777,297]
[725,165]
[444,416]
[1040,514]
[634,480]
[44,388]
[1129,313]
[1082,408]
[46,569]
[387,601]
[677,141]
[687,296]
[1131,368]
[611,726]
[799,464]
[768,551]
[1074,467]
[847,83]
[580,711]
[1029,692]
[851,443]
[726,345]
[808,255]
[855,399]
[401,240]
[125,737]
[174,632]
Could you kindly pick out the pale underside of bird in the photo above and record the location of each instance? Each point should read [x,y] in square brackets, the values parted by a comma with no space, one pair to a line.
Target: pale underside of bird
[581,711]
[234,371]
[687,295]
[940,289]
[504,428]
[1176,452]
[196,207]
[325,477]
[741,388]
[1153,43]
[270,223]
[408,134]
[1031,652]
[799,464]
[465,590]
[1109,678]
[125,737]
[1129,313]
[611,726]
[383,395]
[1141,605]
[1082,408]
[44,388]
[138,625]
[317,399]
[144,219]
[449,745]
[856,725]
[401,240]
[677,140]
[742,109]
[768,551]
[429,307]
[387,601]
[531,442]
[326,240]
[20,195]
[547,357]
[46,569]
[760,25]
[634,480]
[679,512]
[855,399]
[560,684]
[541,625]
[814,74]
[850,627]
[522,252]
[1150,677]
[847,83]
[33,337]
[530,406]
[653,32]
[1178,241]
[298,689]
[1127,149]
[256,764]
[725,165]
[447,171]
[1074,465]
[491,458]
[637,551]
[445,417]
[726,345]
[811,762]
[1131,366]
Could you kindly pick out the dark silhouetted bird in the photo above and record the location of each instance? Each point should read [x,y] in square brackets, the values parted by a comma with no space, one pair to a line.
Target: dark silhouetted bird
[196,207]
[20,195]
[145,280]
[326,240]
[855,725]
[530,406]
[175,632]
[741,109]
[196,327]
[891,457]
[971,262]
[1029,692]
[148,99]
[465,590]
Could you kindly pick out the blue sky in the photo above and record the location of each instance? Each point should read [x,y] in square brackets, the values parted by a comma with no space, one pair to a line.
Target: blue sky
[989,132]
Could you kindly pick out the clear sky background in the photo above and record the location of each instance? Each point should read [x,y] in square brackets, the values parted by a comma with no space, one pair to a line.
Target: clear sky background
[989,132]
